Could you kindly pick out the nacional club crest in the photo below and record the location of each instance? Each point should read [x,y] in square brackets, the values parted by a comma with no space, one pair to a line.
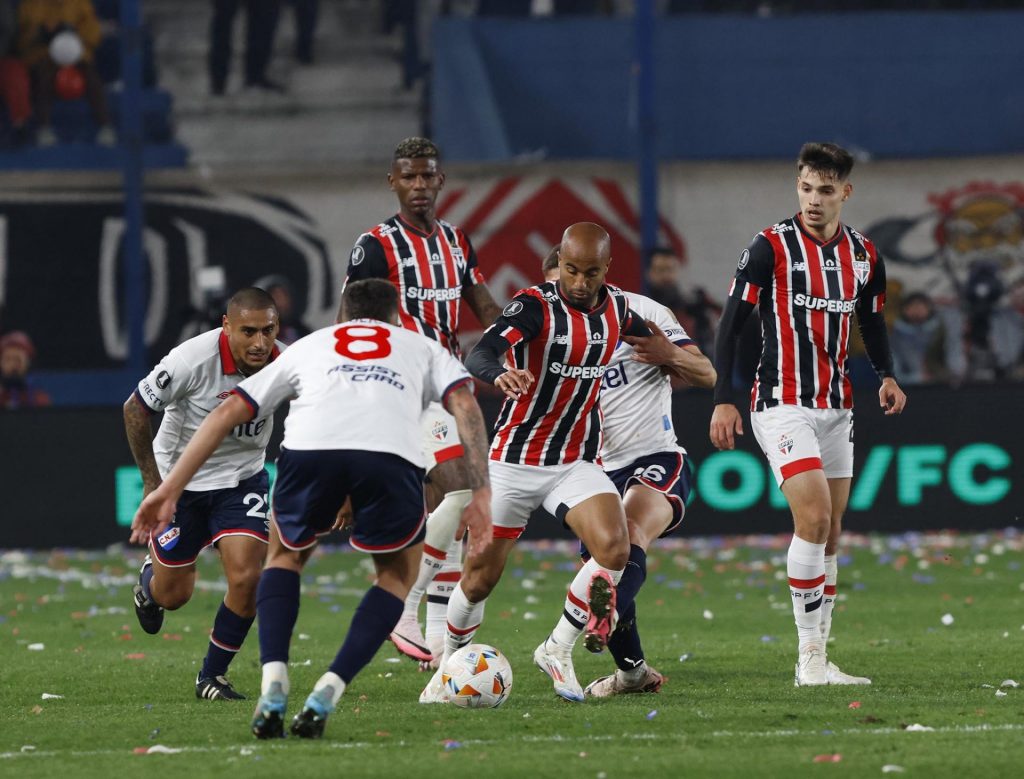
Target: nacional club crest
[439,430]
[785,443]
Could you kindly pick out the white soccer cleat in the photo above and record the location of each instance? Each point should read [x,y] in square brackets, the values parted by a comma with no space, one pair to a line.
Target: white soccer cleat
[835,676]
[810,668]
[614,684]
[434,691]
[557,664]
[408,639]
[436,646]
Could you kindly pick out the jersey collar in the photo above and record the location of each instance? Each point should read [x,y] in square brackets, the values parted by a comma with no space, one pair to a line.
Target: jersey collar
[602,299]
[839,232]
[415,229]
[227,360]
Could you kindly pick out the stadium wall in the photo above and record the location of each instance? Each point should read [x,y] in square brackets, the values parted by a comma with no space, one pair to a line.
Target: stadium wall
[953,460]
[728,87]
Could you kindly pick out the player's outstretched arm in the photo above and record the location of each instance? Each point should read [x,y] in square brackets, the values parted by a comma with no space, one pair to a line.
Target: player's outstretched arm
[485,362]
[139,429]
[686,362]
[476,518]
[157,508]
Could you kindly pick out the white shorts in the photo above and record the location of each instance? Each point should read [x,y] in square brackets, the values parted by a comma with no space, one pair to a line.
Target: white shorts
[440,436]
[516,490]
[797,439]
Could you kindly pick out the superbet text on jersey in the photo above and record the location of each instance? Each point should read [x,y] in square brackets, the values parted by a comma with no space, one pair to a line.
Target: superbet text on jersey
[807,290]
[430,272]
[567,351]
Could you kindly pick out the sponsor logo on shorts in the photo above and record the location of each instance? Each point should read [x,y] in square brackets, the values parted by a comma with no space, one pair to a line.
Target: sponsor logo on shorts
[169,538]
[439,430]
[785,443]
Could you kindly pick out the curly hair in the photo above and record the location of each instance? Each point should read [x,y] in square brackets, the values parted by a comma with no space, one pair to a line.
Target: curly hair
[416,148]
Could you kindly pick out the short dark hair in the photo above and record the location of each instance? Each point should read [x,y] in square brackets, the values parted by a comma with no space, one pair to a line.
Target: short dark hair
[551,261]
[251,299]
[652,253]
[826,158]
[416,148]
[369,299]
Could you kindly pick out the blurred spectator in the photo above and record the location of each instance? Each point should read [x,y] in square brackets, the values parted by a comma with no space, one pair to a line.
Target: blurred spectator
[1015,331]
[260,28]
[39,22]
[16,391]
[15,91]
[280,289]
[692,306]
[918,342]
[306,12]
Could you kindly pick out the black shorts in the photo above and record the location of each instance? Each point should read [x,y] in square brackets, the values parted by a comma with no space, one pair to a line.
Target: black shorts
[664,472]
[386,491]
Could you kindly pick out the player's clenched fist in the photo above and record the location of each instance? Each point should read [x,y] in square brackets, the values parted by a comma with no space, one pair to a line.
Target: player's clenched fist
[725,423]
[514,382]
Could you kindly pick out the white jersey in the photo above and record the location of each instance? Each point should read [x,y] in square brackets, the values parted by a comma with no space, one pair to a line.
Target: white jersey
[191,381]
[359,385]
[636,398]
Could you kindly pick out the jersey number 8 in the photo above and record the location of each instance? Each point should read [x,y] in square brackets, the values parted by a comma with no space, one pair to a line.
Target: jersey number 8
[362,342]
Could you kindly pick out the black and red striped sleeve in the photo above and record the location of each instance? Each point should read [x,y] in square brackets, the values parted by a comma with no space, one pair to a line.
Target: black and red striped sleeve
[367,260]
[871,320]
[522,319]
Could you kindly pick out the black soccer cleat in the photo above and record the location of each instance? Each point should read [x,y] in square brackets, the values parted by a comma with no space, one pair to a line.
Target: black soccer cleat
[149,613]
[268,719]
[217,688]
[310,722]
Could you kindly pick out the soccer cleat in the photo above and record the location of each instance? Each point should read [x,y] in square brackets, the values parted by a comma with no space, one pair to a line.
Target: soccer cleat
[149,613]
[408,639]
[217,688]
[810,668]
[601,601]
[434,691]
[268,719]
[835,676]
[436,646]
[310,722]
[556,662]
[614,684]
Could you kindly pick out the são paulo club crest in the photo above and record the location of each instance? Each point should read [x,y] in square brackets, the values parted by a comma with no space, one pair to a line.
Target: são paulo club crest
[785,443]
[439,430]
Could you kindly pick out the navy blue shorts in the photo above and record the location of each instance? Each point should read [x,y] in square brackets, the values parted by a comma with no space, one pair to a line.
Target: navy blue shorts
[665,472]
[203,518]
[386,490]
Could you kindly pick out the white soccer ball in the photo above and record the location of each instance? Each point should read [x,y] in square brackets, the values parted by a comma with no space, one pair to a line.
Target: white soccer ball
[477,676]
[66,48]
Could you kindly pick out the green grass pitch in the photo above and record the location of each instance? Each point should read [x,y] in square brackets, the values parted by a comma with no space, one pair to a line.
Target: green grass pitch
[715,617]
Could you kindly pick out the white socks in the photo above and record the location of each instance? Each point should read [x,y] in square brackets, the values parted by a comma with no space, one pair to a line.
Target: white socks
[805,566]
[463,620]
[275,672]
[575,612]
[831,571]
[441,527]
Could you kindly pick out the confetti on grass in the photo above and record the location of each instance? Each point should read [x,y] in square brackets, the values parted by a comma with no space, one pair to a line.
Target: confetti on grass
[833,758]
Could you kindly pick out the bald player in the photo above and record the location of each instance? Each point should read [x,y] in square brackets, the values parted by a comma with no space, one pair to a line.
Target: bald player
[225,503]
[547,352]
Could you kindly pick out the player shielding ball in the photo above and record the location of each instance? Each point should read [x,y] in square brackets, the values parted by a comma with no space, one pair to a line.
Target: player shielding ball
[557,339]
[434,267]
[640,454]
[358,391]
[225,502]
[808,273]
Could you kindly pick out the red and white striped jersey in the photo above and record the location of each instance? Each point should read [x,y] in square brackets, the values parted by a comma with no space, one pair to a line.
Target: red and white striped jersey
[567,350]
[430,272]
[807,289]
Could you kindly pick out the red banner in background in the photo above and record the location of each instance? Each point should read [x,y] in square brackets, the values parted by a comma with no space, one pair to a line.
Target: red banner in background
[514,223]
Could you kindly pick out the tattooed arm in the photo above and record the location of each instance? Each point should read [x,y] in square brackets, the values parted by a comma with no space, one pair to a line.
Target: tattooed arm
[139,429]
[476,518]
[481,302]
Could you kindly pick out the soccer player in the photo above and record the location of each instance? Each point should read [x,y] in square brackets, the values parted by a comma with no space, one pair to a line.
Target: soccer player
[641,455]
[225,503]
[808,273]
[434,268]
[359,390]
[558,339]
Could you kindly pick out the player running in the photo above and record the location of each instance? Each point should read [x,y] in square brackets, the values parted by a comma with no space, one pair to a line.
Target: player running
[558,339]
[434,268]
[358,391]
[808,273]
[225,502]
[641,456]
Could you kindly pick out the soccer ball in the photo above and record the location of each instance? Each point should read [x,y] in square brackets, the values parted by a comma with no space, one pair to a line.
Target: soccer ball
[477,677]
